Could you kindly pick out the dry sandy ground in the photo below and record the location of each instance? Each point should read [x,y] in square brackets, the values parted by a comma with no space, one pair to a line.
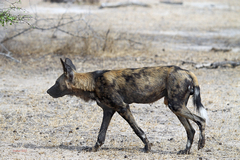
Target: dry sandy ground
[35,126]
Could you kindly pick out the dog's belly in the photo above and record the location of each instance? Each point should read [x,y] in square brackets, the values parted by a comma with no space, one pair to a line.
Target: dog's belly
[137,96]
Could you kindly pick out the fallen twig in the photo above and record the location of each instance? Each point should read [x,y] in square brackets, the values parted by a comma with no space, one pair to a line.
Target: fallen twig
[188,62]
[123,4]
[221,49]
[8,55]
[172,3]
[215,65]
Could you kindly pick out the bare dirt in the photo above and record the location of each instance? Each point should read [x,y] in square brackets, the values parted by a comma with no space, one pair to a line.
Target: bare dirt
[35,126]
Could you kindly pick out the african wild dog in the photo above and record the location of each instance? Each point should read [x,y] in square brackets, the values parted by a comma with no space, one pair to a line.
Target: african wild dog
[114,90]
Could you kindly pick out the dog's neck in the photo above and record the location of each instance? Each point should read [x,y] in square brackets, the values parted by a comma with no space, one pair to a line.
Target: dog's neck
[84,82]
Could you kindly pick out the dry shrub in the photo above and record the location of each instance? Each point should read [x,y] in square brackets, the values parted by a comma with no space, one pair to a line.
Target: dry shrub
[77,38]
[100,45]
[91,45]
[76,46]
[87,46]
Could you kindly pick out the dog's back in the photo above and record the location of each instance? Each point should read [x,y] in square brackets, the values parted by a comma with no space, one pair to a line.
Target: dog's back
[140,85]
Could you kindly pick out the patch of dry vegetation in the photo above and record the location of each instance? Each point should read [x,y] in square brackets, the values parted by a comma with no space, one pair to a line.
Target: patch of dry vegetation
[71,35]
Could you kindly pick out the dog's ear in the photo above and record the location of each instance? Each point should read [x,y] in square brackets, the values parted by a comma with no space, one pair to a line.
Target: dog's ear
[69,62]
[63,65]
[68,70]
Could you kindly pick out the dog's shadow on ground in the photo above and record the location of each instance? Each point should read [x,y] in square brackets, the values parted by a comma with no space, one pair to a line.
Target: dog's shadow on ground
[88,149]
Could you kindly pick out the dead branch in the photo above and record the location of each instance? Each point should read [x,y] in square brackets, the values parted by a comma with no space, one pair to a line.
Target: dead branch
[71,34]
[123,4]
[214,49]
[59,22]
[188,62]
[215,65]
[172,3]
[9,38]
[56,27]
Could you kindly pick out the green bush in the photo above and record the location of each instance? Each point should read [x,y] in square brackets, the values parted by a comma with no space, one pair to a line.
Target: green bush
[6,17]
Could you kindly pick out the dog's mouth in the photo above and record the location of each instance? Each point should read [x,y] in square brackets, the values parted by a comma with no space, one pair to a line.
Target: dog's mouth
[54,95]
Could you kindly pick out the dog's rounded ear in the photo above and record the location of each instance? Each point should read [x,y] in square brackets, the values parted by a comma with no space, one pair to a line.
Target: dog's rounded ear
[69,72]
[69,62]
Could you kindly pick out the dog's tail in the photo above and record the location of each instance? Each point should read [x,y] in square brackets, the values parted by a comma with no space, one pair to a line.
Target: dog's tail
[197,98]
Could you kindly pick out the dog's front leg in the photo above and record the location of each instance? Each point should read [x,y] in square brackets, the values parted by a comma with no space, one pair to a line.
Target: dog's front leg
[107,116]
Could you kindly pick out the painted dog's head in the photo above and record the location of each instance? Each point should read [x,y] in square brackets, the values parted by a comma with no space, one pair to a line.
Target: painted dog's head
[63,83]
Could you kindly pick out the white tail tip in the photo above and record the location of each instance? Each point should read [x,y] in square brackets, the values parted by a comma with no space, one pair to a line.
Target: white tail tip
[203,114]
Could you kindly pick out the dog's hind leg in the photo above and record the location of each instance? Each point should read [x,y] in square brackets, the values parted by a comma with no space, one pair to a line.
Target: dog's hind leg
[190,134]
[179,89]
[183,112]
[127,115]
